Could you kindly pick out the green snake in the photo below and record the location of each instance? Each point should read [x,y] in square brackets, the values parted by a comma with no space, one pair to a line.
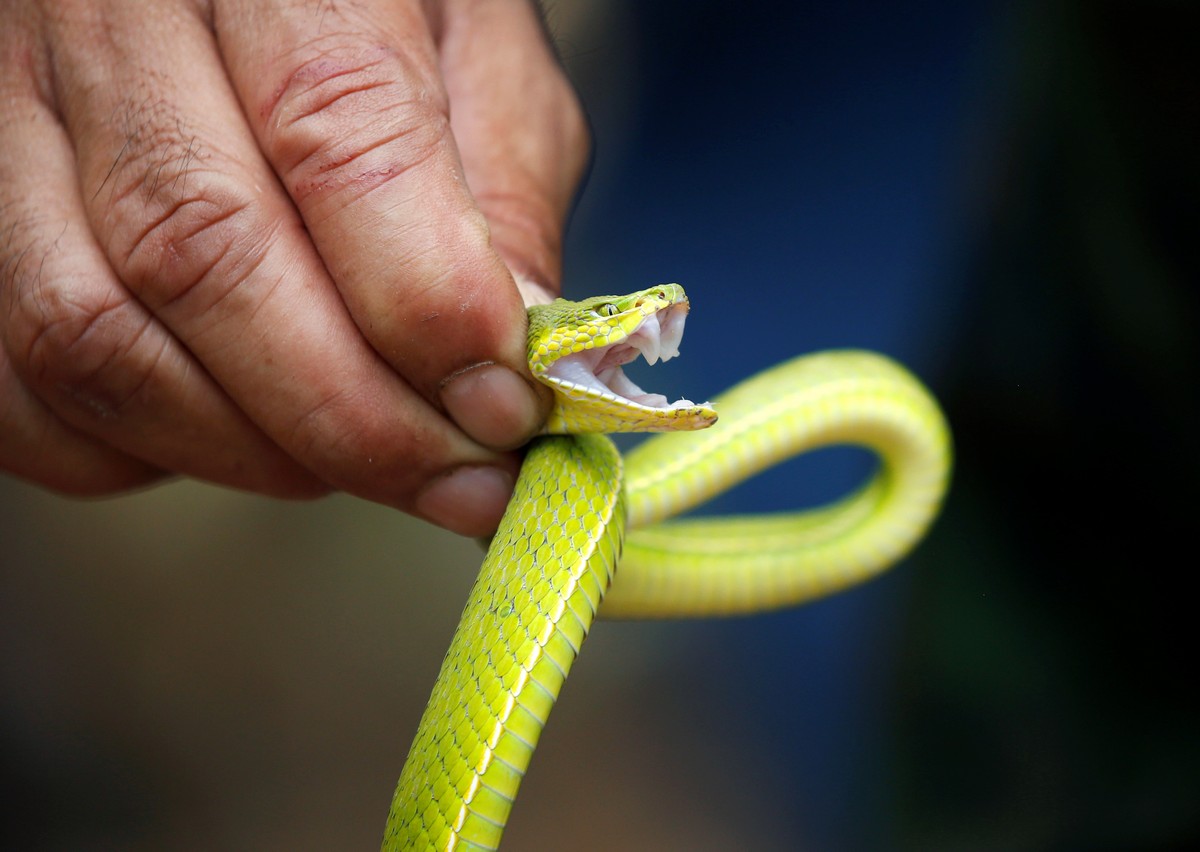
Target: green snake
[578,506]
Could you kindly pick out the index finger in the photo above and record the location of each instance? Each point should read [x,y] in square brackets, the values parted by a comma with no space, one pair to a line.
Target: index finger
[350,110]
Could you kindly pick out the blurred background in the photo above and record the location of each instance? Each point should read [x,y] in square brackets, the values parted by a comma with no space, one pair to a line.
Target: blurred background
[1004,196]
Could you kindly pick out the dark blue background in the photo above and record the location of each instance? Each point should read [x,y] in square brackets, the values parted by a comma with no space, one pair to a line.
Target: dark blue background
[1003,197]
[799,169]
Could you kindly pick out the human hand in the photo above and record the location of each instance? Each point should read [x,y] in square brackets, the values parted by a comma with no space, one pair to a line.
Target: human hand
[269,245]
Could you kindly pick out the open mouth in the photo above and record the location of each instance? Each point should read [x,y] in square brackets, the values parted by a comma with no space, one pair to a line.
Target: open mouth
[600,369]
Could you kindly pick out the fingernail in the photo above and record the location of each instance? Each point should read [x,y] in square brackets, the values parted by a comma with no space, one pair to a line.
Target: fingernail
[493,405]
[468,501]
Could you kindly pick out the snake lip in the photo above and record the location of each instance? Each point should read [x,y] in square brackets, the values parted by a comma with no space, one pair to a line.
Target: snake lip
[599,369]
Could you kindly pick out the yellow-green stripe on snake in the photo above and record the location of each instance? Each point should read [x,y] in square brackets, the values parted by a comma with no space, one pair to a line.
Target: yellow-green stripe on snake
[549,567]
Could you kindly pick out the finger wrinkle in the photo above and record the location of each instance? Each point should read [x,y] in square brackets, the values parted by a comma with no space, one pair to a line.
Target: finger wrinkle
[327,67]
[37,446]
[72,341]
[309,78]
[354,124]
[148,371]
[171,229]
[337,94]
[233,272]
[352,173]
[187,245]
[50,308]
[106,398]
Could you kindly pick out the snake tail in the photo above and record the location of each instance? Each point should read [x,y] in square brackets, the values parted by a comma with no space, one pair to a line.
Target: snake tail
[546,571]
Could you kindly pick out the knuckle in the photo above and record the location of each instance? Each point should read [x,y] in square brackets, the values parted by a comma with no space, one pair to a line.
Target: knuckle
[353,116]
[180,220]
[82,342]
[35,447]
[44,314]
[193,248]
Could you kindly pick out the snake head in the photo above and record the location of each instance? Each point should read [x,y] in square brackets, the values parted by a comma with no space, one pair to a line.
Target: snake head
[579,349]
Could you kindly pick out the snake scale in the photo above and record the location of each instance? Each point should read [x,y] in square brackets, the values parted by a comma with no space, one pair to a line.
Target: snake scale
[549,567]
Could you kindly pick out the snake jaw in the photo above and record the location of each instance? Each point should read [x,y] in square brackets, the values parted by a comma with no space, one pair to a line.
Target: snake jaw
[583,365]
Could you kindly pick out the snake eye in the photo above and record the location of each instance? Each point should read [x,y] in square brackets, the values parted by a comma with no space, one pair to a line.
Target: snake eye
[608,309]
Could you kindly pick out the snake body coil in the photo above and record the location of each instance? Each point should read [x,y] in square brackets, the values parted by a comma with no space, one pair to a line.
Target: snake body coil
[551,563]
